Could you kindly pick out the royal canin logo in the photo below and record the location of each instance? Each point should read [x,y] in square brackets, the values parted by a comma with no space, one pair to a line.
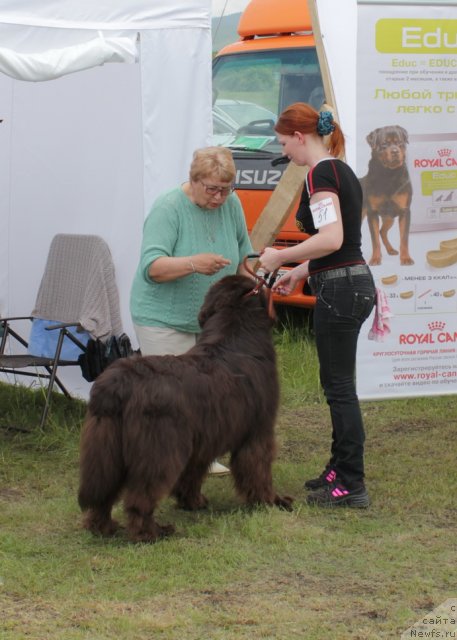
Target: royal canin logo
[436,325]
[435,335]
[444,159]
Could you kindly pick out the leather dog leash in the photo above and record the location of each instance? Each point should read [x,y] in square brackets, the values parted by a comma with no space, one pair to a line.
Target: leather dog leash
[267,281]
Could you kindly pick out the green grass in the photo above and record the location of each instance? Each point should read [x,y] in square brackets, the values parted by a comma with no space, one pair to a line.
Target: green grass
[230,572]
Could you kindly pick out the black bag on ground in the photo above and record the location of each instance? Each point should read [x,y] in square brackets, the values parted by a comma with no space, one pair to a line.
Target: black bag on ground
[99,355]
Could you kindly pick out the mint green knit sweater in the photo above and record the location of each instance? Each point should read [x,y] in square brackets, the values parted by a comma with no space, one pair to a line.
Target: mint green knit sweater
[177,227]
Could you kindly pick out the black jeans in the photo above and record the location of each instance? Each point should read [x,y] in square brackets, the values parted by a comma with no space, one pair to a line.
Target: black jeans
[342,305]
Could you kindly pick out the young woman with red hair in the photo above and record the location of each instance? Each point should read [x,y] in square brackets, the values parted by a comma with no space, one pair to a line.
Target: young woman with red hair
[330,212]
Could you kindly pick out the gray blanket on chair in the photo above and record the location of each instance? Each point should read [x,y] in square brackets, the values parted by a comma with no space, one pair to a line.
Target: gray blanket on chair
[79,285]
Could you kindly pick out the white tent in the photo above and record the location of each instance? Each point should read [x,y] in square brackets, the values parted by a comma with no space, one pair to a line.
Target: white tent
[86,146]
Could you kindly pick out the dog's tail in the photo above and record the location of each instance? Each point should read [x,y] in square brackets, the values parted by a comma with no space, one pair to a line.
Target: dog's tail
[101,463]
[102,467]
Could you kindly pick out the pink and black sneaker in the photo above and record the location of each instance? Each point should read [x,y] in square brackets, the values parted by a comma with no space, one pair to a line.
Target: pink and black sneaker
[336,494]
[327,477]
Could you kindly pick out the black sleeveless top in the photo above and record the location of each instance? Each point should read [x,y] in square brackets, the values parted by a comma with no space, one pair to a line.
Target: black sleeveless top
[336,176]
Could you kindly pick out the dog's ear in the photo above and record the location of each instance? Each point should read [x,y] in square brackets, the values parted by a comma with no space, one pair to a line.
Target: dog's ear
[403,135]
[372,138]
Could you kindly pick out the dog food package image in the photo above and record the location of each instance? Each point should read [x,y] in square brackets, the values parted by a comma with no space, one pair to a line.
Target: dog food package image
[432,162]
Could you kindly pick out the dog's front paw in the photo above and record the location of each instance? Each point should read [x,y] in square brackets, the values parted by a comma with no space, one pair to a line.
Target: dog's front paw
[406,260]
[151,534]
[375,261]
[165,530]
[284,502]
[99,524]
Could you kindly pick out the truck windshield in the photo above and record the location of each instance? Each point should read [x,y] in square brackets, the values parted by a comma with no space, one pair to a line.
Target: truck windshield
[251,89]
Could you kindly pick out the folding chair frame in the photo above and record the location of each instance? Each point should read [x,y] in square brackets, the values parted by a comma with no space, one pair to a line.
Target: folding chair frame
[15,364]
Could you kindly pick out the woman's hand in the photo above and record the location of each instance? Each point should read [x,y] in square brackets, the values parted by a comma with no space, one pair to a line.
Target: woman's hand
[289,280]
[209,263]
[270,259]
[169,268]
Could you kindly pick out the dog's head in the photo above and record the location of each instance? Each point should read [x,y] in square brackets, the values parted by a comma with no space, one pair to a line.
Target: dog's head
[388,145]
[231,293]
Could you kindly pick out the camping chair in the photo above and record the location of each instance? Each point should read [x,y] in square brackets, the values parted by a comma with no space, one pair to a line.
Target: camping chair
[77,300]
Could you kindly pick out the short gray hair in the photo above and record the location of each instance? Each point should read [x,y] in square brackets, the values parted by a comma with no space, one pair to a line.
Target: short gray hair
[215,162]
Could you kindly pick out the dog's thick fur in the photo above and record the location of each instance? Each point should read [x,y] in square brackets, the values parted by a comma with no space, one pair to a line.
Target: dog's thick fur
[387,191]
[154,424]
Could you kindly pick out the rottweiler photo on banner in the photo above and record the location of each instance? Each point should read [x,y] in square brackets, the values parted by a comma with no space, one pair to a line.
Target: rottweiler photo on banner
[407,164]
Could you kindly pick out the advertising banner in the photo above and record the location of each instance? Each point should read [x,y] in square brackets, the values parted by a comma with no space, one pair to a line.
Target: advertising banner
[407,163]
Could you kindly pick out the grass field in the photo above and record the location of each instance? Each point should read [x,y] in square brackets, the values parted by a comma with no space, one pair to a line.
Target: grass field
[231,572]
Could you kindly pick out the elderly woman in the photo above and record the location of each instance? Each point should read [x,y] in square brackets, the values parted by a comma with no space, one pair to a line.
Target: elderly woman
[194,235]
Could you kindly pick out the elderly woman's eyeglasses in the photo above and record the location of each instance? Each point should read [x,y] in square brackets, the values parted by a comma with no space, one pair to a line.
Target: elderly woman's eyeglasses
[212,190]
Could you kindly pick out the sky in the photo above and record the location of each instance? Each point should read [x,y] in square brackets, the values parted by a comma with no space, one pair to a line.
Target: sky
[231,6]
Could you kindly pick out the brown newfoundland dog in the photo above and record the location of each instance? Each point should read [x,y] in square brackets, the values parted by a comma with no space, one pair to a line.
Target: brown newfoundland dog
[155,423]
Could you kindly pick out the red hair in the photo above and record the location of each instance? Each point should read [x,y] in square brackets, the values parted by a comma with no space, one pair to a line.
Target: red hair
[303,118]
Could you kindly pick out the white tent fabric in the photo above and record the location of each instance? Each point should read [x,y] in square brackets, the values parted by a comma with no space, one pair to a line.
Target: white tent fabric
[89,151]
[54,63]
[106,14]
[172,106]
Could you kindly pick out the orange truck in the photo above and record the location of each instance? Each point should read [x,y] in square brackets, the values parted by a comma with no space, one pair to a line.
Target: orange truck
[272,65]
